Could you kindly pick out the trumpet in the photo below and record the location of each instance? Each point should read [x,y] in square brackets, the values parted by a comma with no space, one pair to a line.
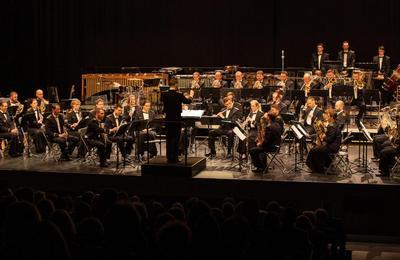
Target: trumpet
[20,109]
[238,85]
[257,85]
[359,84]
[194,84]
[216,84]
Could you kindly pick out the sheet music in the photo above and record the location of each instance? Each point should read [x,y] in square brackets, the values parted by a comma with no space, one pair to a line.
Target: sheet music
[296,131]
[192,113]
[302,130]
[239,133]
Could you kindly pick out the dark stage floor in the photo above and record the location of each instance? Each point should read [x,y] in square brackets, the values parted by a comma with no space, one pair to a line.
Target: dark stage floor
[218,168]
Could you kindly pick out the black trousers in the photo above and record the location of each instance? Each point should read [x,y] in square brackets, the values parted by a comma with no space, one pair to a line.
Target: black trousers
[318,158]
[65,144]
[213,134]
[379,142]
[258,155]
[386,97]
[124,143]
[12,141]
[81,146]
[39,140]
[173,137]
[102,148]
[250,141]
[361,108]
[142,143]
[387,159]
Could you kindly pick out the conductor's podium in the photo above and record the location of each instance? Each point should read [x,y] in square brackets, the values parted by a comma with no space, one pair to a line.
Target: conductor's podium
[158,166]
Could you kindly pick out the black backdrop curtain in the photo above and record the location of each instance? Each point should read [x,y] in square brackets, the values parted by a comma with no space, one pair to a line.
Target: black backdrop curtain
[47,42]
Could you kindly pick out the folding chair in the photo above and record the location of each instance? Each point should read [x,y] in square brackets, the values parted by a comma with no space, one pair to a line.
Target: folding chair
[340,160]
[272,159]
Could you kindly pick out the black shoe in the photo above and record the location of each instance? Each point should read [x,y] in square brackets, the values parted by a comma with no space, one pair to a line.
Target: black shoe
[257,170]
[211,155]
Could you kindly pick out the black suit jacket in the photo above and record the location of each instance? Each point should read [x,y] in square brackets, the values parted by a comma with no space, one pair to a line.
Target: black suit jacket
[6,125]
[71,118]
[272,137]
[140,116]
[259,115]
[173,100]
[341,119]
[385,65]
[245,83]
[314,61]
[234,115]
[318,114]
[51,126]
[111,122]
[126,115]
[333,137]
[94,130]
[29,119]
[351,58]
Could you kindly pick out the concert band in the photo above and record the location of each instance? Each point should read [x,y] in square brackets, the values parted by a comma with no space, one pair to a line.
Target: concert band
[38,124]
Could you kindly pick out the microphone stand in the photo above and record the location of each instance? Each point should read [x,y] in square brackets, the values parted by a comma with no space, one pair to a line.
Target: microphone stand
[283,60]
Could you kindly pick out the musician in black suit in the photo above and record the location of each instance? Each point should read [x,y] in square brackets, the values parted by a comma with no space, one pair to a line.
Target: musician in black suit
[261,81]
[341,118]
[96,136]
[388,155]
[197,82]
[73,122]
[229,113]
[218,81]
[112,124]
[15,108]
[275,109]
[312,113]
[236,104]
[239,82]
[277,100]
[318,157]
[99,104]
[269,139]
[146,114]
[358,86]
[346,56]
[284,82]
[57,134]
[382,71]
[8,130]
[318,59]
[173,100]
[251,123]
[32,122]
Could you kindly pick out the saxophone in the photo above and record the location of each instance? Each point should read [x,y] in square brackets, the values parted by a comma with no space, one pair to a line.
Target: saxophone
[320,129]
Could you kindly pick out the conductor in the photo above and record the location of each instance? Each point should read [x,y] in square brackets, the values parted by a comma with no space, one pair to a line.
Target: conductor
[172,100]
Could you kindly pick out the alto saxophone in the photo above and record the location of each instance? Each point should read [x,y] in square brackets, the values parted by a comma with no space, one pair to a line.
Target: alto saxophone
[320,130]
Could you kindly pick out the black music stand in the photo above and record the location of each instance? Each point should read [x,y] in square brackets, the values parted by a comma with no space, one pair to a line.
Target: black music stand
[210,93]
[269,90]
[251,93]
[333,64]
[364,168]
[322,93]
[236,91]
